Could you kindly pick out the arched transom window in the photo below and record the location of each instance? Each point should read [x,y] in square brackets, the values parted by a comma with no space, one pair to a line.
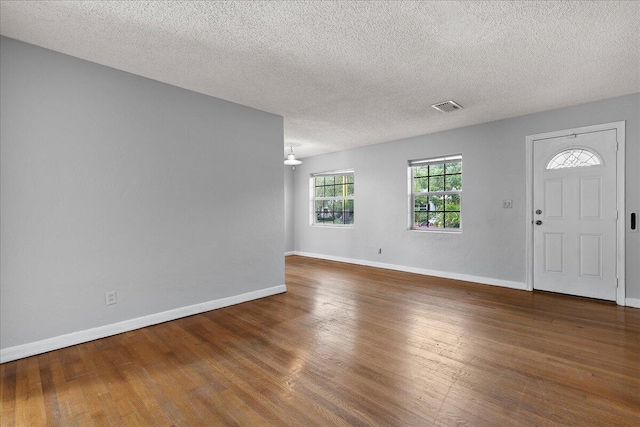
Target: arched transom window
[574,158]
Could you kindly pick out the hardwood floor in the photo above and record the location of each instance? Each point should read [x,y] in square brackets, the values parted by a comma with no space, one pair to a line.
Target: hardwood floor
[349,345]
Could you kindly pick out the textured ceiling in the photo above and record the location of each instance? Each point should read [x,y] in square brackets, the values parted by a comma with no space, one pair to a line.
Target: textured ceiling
[347,74]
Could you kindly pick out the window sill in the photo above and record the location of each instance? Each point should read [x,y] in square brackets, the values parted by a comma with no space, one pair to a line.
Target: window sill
[332,226]
[437,230]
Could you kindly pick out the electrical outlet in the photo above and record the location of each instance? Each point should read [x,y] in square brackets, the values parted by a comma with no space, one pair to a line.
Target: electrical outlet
[506,204]
[111,298]
[380,251]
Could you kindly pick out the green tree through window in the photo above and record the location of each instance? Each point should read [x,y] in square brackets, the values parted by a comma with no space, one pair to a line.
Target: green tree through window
[332,198]
[436,191]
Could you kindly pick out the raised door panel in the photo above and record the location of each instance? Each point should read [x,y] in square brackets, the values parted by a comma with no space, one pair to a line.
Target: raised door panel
[553,198]
[590,253]
[591,198]
[554,253]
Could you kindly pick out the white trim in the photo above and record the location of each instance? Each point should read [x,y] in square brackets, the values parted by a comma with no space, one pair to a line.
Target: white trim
[423,271]
[436,160]
[437,230]
[620,197]
[333,173]
[79,337]
[529,211]
[289,253]
[622,216]
[633,302]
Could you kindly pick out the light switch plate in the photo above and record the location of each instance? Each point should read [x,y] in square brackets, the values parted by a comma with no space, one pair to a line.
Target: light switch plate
[111,298]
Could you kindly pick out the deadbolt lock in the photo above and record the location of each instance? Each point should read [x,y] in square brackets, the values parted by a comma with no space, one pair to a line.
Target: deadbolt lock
[538,212]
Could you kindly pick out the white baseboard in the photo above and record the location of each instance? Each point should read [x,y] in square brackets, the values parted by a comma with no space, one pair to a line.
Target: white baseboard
[289,253]
[49,344]
[632,302]
[423,271]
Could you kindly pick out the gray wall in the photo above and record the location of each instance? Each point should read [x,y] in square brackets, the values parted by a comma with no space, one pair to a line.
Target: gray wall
[288,209]
[111,181]
[492,243]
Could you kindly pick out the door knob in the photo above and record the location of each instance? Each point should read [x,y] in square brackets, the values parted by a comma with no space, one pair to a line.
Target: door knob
[538,212]
[538,222]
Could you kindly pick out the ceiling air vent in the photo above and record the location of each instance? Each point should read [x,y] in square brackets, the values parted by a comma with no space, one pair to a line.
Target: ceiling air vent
[447,106]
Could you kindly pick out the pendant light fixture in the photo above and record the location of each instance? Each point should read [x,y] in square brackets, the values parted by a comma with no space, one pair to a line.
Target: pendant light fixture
[291,159]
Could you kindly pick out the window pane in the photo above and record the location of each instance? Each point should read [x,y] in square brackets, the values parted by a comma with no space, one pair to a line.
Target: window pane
[323,211]
[338,212]
[453,182]
[420,171]
[455,167]
[319,180]
[421,204]
[436,203]
[339,179]
[329,191]
[420,220]
[436,220]
[452,202]
[436,183]
[452,220]
[420,184]
[574,158]
[328,180]
[436,169]
[339,190]
[349,190]
[349,178]
[348,212]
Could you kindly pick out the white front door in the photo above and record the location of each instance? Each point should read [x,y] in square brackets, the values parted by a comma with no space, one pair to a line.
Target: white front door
[575,214]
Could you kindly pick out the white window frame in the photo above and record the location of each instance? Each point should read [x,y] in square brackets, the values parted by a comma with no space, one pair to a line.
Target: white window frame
[413,194]
[313,221]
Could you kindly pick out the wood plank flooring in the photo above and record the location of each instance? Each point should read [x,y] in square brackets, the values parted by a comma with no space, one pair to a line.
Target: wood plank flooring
[349,345]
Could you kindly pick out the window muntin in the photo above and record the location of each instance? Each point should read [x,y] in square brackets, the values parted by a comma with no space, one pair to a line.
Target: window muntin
[332,198]
[436,192]
[574,158]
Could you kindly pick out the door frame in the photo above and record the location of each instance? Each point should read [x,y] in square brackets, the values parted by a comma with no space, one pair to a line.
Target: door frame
[619,127]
